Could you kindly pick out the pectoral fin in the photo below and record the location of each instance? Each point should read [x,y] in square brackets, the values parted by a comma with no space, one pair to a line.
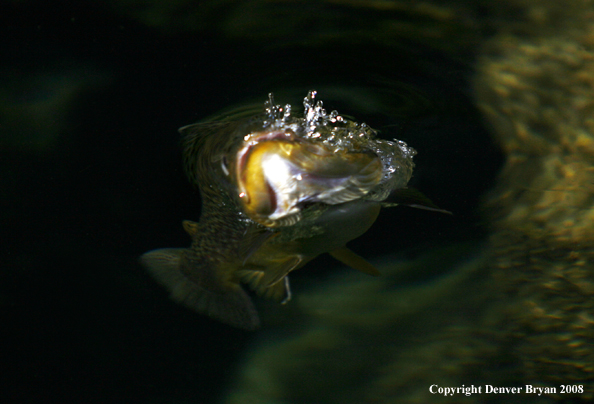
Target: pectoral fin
[271,281]
[355,261]
[198,288]
[277,270]
[264,281]
[413,198]
[254,237]
[280,291]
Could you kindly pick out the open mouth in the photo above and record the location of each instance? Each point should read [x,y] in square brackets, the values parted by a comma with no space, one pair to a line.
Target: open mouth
[277,174]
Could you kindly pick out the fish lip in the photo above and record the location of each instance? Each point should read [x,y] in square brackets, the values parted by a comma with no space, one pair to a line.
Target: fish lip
[254,139]
[241,158]
[251,140]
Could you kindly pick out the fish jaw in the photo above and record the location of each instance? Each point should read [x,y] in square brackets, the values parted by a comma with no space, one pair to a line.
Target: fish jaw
[277,175]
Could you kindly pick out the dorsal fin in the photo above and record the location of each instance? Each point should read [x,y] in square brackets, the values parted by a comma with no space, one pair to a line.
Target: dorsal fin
[355,261]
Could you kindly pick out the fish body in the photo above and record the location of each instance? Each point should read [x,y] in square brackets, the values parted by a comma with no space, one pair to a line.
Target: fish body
[277,191]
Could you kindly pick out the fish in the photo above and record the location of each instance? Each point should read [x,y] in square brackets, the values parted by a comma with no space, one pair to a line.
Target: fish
[277,189]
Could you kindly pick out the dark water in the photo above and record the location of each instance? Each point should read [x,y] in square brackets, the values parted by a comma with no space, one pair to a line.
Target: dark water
[93,179]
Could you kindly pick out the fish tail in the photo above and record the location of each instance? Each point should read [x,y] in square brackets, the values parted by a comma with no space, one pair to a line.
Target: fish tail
[196,288]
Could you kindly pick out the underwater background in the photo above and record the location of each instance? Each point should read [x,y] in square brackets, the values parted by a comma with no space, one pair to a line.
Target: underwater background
[496,97]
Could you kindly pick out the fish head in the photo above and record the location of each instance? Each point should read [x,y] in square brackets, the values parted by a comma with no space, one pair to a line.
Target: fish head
[275,165]
[278,174]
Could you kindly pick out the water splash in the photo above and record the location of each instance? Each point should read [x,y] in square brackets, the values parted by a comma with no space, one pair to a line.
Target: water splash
[343,135]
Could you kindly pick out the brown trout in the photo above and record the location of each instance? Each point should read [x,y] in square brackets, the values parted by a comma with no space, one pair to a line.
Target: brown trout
[277,191]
